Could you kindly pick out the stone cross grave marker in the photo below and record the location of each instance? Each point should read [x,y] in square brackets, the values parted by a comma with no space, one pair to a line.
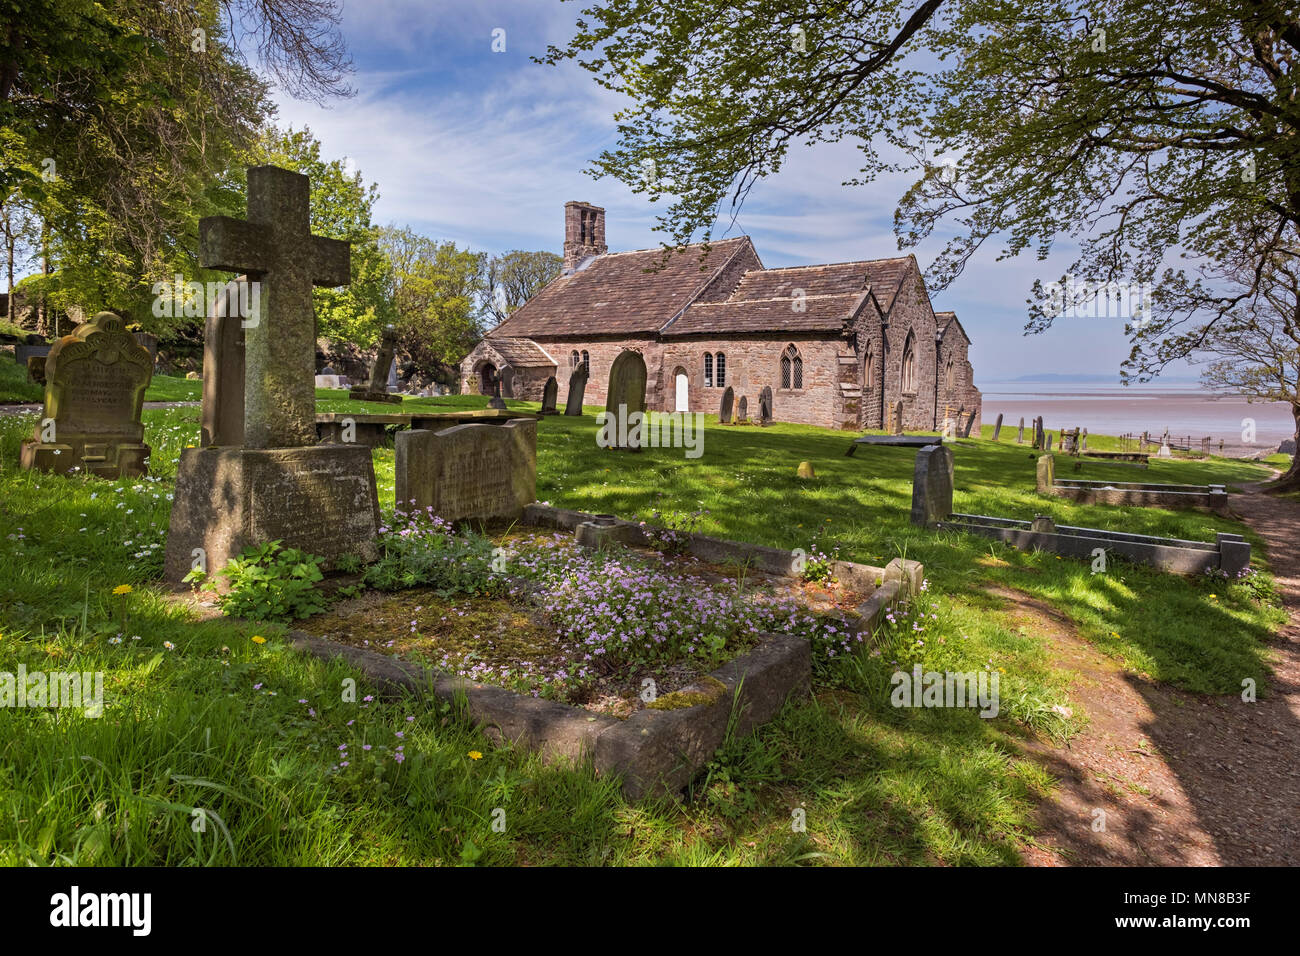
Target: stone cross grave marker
[280,484]
[728,399]
[932,484]
[95,381]
[275,247]
[549,394]
[577,388]
[997,427]
[468,472]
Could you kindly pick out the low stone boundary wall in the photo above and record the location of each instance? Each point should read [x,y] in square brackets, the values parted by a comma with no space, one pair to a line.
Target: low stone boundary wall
[371,428]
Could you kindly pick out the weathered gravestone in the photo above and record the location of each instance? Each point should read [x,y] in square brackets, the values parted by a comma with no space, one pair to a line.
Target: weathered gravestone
[1020,432]
[280,485]
[997,427]
[577,388]
[222,416]
[728,399]
[1048,446]
[765,405]
[932,483]
[468,472]
[95,380]
[550,392]
[742,409]
[1039,441]
[1046,473]
[626,397]
[970,423]
[381,371]
[896,419]
[33,347]
[1083,441]
[503,388]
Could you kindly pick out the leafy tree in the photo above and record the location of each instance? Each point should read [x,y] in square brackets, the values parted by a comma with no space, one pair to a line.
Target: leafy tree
[1142,132]
[436,288]
[341,206]
[1254,350]
[121,119]
[516,276]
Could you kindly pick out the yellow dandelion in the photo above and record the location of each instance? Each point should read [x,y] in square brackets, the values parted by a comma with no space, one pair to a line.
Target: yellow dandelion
[123,589]
[258,639]
[475,755]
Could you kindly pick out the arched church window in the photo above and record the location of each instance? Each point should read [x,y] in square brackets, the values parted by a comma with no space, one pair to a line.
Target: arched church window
[721,364]
[908,378]
[586,361]
[791,368]
[574,359]
[708,369]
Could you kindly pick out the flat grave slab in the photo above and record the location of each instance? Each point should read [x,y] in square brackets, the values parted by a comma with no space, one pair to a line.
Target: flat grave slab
[897,441]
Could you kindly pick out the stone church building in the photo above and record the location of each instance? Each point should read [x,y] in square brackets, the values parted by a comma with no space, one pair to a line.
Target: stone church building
[838,344]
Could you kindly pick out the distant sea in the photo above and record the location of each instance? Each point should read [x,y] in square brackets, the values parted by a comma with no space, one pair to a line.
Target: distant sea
[1182,407]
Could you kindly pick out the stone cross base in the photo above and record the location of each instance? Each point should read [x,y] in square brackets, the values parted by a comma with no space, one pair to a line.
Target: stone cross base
[321,499]
[91,454]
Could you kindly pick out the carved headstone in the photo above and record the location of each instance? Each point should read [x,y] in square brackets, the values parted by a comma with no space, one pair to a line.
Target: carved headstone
[997,427]
[728,400]
[932,485]
[549,394]
[970,423]
[765,405]
[626,397]
[577,388]
[1039,441]
[468,472]
[896,419]
[95,380]
[742,409]
[1020,432]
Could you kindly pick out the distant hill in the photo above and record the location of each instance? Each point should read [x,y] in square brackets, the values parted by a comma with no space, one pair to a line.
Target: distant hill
[1093,379]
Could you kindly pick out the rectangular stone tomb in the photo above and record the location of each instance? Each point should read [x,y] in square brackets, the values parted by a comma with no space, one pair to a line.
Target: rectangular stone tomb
[468,472]
[656,752]
[1212,497]
[1229,553]
[319,498]
[897,441]
[344,428]
[1127,457]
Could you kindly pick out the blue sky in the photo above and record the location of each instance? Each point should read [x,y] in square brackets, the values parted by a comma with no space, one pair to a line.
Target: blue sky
[484,148]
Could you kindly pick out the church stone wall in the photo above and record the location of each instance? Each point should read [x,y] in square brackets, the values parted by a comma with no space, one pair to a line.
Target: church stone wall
[911,312]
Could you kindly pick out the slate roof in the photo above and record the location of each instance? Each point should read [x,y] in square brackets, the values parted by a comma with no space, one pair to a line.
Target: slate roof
[616,294]
[820,313]
[522,353]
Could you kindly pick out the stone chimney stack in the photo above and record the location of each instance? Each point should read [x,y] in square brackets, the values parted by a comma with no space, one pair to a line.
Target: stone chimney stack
[584,233]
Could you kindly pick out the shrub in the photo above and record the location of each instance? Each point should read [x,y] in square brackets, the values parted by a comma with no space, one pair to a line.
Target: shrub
[270,583]
[426,552]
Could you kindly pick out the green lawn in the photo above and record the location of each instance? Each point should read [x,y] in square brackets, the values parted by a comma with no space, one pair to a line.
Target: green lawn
[215,720]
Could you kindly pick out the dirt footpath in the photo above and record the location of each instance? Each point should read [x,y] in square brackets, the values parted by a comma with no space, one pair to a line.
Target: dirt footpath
[1180,779]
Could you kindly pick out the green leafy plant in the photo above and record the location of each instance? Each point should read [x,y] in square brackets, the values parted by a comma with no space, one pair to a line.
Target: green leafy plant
[270,583]
[427,552]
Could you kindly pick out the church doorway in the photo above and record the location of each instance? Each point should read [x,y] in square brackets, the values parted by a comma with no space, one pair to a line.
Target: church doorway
[683,391]
[487,379]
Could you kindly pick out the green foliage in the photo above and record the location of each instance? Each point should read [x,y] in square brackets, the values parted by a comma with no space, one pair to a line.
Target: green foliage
[516,276]
[425,551]
[270,583]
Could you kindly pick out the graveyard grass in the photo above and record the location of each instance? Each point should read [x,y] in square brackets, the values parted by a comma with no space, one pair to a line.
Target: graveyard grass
[205,716]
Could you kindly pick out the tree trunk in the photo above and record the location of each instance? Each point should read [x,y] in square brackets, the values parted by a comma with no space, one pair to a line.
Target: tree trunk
[1290,479]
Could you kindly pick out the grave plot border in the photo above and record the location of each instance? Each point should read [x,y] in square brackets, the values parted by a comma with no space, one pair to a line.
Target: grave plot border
[658,750]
